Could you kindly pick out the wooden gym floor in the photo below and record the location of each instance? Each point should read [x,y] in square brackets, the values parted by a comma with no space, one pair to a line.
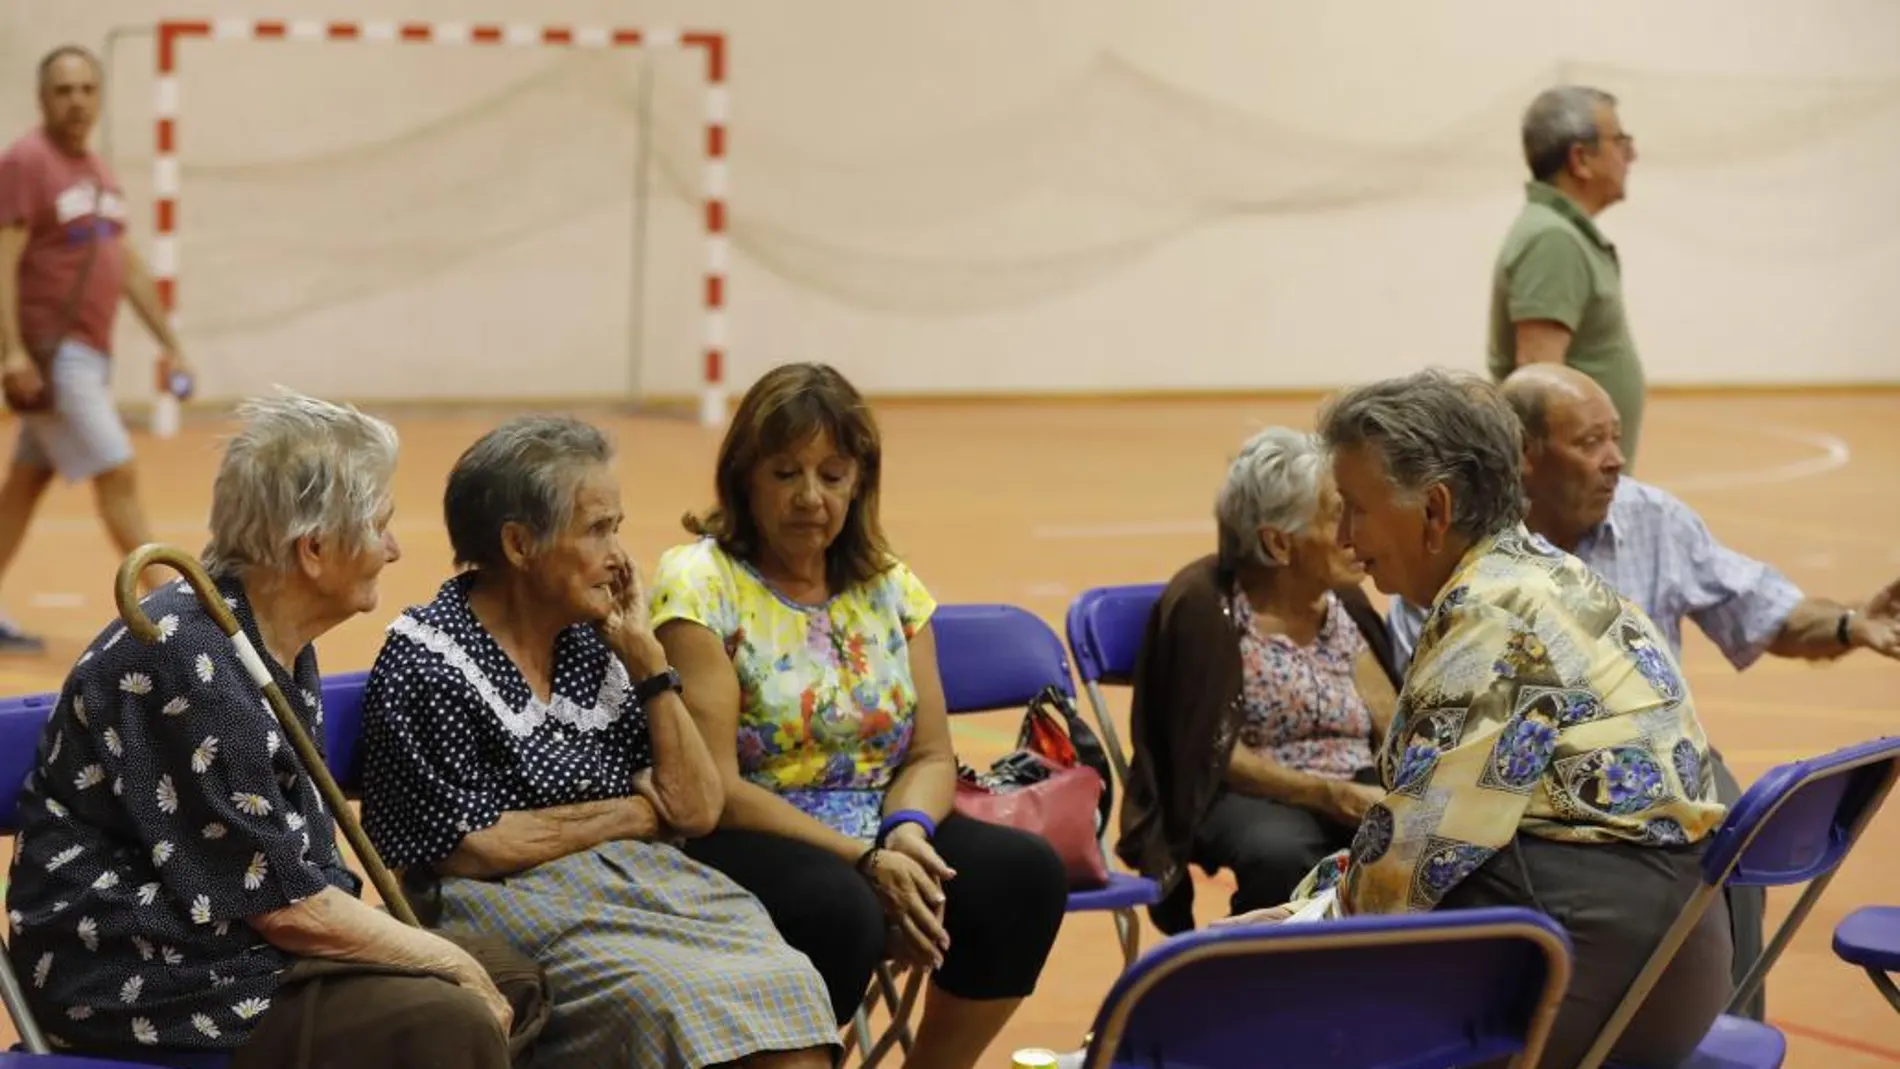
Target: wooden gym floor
[1032,502]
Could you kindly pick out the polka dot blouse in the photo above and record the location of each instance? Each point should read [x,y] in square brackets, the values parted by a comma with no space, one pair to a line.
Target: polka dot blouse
[454,737]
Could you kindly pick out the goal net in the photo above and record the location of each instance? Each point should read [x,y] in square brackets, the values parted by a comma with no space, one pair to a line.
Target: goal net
[464,215]
[442,212]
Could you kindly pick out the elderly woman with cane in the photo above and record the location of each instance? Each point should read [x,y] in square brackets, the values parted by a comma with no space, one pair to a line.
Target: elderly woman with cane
[528,751]
[177,882]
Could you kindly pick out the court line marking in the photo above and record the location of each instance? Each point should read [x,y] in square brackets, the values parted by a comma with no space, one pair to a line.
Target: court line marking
[412,525]
[1834,454]
[1794,712]
[1860,543]
[1837,1040]
[1123,529]
[58,601]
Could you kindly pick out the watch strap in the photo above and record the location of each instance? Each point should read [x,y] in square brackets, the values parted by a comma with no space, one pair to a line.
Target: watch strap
[657,684]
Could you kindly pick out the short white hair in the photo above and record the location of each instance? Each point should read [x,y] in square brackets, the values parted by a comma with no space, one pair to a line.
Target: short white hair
[298,466]
[1273,482]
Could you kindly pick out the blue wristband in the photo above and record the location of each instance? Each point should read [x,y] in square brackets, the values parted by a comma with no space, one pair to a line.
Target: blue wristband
[906,816]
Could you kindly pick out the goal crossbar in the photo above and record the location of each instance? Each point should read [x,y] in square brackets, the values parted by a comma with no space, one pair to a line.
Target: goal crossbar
[166,178]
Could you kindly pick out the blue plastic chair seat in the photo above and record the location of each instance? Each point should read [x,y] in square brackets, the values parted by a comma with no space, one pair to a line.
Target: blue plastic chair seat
[1738,1043]
[1123,892]
[63,1061]
[1453,987]
[1870,938]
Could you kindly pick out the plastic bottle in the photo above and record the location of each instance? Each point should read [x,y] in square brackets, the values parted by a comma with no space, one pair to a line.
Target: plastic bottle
[173,386]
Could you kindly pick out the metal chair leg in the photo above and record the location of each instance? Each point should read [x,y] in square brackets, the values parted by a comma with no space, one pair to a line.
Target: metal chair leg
[858,1033]
[897,1034]
[1884,983]
[15,998]
[1128,928]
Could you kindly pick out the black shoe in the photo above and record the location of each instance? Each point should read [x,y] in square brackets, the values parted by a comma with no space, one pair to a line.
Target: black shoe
[1174,914]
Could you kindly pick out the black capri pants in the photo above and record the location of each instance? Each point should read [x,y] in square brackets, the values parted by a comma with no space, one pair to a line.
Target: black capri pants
[1002,909]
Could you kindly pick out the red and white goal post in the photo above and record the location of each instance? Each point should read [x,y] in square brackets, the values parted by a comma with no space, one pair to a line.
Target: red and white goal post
[167,191]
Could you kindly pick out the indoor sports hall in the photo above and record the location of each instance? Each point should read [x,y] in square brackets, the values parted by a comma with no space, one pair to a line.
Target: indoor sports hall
[1074,254]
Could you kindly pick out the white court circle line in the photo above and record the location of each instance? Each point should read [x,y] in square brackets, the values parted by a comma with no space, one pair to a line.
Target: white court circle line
[1129,529]
[1834,454]
[200,530]
[58,601]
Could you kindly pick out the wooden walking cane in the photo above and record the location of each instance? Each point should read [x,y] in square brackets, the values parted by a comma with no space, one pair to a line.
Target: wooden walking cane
[126,593]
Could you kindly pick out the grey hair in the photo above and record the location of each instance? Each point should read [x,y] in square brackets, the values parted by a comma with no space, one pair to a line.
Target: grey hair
[45,69]
[297,467]
[1531,404]
[525,471]
[1273,482]
[1434,427]
[1557,119]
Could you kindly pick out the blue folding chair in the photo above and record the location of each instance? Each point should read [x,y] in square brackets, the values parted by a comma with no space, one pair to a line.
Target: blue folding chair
[1792,826]
[343,728]
[22,719]
[1105,625]
[1870,938]
[22,1060]
[1000,657]
[1455,987]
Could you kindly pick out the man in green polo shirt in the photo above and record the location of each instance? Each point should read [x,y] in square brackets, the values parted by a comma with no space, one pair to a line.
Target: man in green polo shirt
[1557,290]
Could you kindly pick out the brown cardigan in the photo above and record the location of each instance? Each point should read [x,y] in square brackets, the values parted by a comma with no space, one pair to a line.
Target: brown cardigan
[1186,714]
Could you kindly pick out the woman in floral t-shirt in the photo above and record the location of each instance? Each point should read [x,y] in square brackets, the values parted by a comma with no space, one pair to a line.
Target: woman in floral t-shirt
[807,660]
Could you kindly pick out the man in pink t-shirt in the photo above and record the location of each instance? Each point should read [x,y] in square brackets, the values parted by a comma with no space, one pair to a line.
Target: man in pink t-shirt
[64,264]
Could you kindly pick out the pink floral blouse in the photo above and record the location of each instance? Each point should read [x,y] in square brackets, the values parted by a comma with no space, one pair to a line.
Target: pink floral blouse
[1299,704]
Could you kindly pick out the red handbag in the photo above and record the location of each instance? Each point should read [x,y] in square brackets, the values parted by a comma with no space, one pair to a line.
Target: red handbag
[1046,789]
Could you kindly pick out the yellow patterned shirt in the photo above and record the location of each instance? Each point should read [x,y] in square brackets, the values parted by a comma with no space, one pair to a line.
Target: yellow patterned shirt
[1538,701]
[827,703]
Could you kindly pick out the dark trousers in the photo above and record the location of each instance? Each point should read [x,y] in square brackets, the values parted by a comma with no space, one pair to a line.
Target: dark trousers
[1616,900]
[342,1015]
[1270,847]
[1002,908]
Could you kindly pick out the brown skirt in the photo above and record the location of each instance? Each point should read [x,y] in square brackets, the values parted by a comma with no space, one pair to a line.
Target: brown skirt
[348,1015]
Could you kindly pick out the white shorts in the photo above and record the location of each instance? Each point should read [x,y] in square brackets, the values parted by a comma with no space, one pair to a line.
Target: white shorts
[82,436]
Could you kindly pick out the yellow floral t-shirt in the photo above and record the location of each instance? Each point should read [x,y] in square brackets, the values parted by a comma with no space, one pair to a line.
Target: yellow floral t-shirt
[827,703]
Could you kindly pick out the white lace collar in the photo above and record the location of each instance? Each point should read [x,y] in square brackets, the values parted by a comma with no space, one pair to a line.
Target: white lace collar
[608,705]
